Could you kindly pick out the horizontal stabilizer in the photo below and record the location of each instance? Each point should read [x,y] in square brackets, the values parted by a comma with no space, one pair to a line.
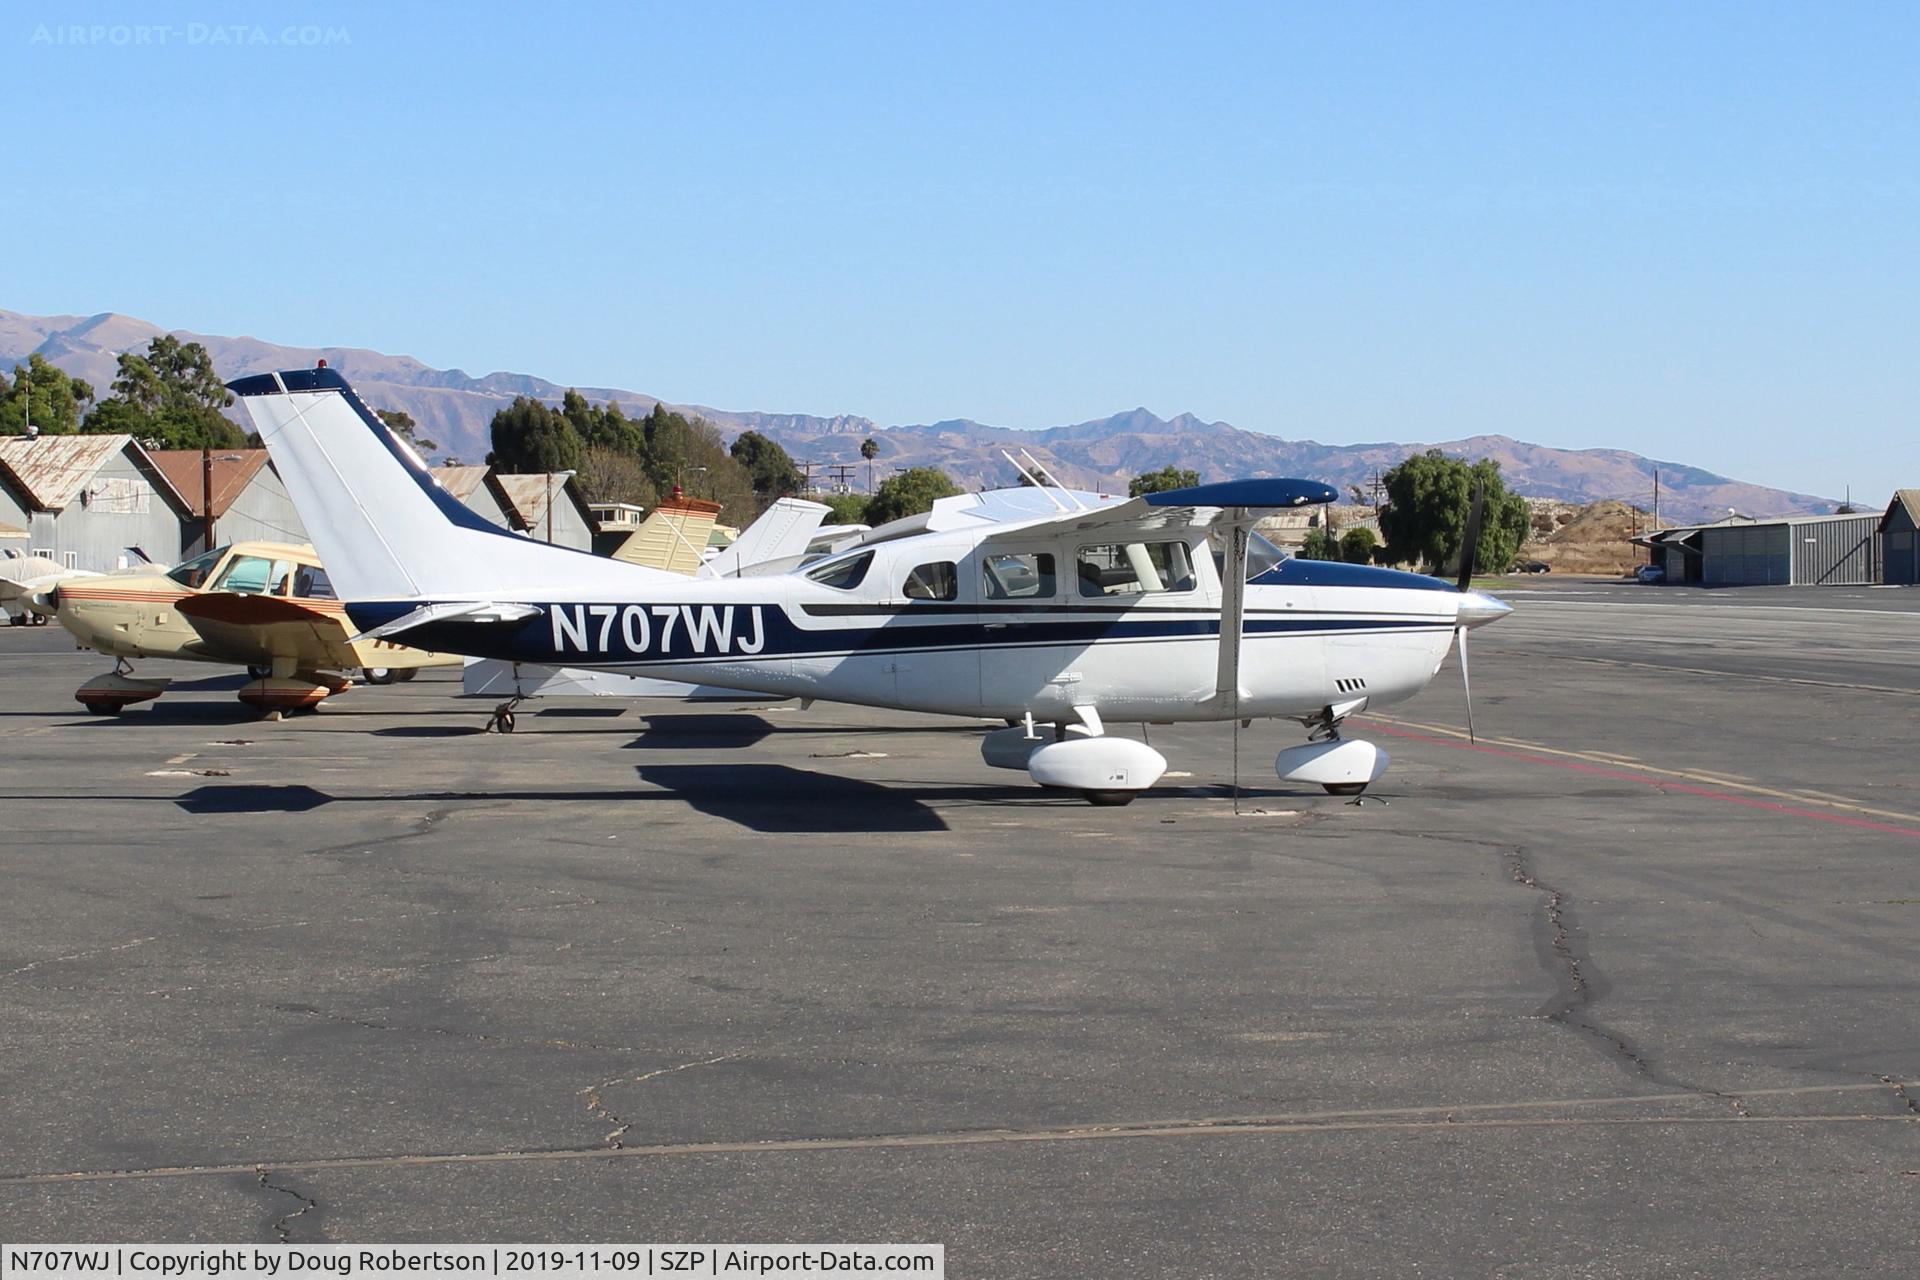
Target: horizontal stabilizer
[448,611]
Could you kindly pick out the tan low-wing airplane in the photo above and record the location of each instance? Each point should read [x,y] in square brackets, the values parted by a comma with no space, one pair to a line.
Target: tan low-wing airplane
[266,606]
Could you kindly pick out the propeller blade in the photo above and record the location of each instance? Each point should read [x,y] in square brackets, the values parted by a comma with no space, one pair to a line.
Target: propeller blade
[1466,681]
[1470,542]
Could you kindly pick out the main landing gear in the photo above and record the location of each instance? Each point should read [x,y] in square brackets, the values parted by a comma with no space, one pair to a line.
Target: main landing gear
[1107,772]
[1342,766]
[1112,771]
[118,689]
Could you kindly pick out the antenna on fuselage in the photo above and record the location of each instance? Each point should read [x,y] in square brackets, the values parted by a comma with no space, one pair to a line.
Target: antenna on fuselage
[1047,475]
[1034,480]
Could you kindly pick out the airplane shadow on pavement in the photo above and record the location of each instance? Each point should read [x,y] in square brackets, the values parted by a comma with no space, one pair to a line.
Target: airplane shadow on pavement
[769,798]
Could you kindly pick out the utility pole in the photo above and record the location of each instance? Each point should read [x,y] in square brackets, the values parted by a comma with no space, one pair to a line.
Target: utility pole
[206,497]
[1656,499]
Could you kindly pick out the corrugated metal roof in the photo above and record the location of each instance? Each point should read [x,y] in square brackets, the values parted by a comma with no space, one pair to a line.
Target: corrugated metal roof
[1907,498]
[526,495]
[185,469]
[461,482]
[50,470]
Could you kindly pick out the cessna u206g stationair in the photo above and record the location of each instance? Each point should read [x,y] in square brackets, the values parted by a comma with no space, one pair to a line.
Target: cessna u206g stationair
[1058,612]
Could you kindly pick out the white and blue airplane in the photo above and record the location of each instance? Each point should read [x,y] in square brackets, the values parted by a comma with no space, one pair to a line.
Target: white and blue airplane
[1058,612]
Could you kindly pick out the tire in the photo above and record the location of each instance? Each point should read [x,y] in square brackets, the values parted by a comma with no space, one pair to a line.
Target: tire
[405,674]
[1110,799]
[259,672]
[377,675]
[506,722]
[101,709]
[1344,788]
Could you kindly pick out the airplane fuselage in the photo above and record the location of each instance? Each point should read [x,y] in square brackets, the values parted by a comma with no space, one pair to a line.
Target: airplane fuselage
[1315,634]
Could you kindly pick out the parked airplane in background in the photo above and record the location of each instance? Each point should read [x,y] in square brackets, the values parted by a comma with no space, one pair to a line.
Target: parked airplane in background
[1035,605]
[22,574]
[261,605]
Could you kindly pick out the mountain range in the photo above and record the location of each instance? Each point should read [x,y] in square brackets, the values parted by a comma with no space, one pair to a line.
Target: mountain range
[455,408]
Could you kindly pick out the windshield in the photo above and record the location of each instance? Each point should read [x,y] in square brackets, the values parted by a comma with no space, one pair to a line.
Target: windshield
[194,572]
[1262,555]
[843,573]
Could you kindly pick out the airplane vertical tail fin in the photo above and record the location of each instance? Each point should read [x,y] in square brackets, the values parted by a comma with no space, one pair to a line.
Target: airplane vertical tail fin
[773,543]
[384,527]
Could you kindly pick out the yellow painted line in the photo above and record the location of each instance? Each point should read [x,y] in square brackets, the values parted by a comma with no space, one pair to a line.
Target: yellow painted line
[1820,798]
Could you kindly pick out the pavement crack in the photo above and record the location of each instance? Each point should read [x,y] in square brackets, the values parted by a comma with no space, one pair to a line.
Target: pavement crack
[1900,1091]
[283,1225]
[596,1101]
[1580,985]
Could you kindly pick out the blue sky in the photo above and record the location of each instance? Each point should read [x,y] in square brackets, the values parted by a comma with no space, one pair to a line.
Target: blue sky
[1686,230]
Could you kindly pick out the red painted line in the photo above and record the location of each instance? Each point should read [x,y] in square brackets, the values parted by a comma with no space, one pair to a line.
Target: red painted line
[1660,784]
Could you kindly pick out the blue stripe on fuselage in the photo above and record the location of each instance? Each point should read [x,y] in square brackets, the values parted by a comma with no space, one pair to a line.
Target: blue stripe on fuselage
[653,633]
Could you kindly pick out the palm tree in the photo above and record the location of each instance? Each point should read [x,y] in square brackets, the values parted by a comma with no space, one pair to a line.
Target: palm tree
[869,449]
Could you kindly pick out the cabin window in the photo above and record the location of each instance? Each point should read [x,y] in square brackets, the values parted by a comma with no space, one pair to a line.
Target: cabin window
[843,573]
[257,575]
[1025,576]
[194,572]
[73,559]
[1135,568]
[937,581]
[310,583]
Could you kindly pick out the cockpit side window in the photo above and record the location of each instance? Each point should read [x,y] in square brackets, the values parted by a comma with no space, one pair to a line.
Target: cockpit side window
[1135,568]
[842,573]
[937,581]
[310,583]
[1026,575]
[257,575]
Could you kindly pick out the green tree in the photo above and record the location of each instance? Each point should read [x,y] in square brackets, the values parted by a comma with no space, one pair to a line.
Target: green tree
[767,465]
[869,449]
[170,395]
[1166,478]
[401,423]
[1319,544]
[531,437]
[909,493]
[1357,544]
[1428,497]
[43,394]
[846,508]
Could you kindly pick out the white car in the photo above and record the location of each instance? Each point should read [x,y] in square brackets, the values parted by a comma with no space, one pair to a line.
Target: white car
[1650,573]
